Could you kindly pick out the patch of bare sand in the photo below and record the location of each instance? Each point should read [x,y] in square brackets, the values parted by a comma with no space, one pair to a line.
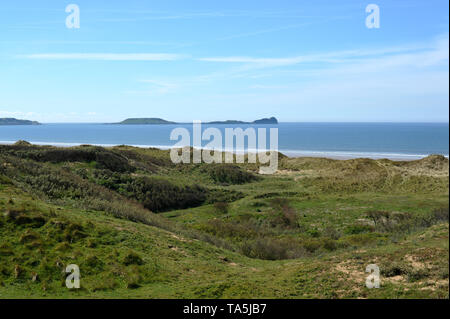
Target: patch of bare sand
[180,238]
[412,260]
[353,272]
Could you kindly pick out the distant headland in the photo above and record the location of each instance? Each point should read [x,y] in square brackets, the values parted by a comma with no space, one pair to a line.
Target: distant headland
[271,120]
[13,121]
[156,121]
[152,120]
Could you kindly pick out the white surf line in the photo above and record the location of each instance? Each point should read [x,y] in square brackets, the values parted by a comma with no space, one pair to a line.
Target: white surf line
[288,152]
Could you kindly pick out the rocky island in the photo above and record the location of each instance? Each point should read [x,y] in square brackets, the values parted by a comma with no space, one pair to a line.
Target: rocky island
[271,120]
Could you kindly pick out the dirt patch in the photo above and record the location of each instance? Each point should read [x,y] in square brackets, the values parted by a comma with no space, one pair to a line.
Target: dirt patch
[412,260]
[355,273]
[180,238]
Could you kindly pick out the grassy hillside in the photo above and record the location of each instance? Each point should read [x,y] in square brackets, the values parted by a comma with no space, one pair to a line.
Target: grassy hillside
[140,226]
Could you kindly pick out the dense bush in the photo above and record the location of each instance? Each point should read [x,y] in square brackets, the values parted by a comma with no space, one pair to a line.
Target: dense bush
[160,195]
[359,229]
[401,222]
[265,248]
[223,195]
[230,174]
[441,214]
[233,229]
[100,157]
[402,269]
[274,249]
[112,180]
[132,258]
[221,207]
[332,233]
[283,214]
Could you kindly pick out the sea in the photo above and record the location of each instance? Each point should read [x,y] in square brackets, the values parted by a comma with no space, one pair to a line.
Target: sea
[397,141]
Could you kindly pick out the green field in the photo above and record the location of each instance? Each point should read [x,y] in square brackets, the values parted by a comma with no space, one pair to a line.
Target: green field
[140,226]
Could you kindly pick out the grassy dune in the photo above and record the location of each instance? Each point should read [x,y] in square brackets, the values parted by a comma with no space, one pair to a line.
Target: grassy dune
[140,226]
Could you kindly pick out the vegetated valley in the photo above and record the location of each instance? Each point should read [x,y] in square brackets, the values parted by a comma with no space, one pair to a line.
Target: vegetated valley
[140,226]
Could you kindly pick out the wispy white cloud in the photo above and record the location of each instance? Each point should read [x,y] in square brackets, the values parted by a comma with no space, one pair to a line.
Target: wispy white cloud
[99,42]
[330,57]
[105,56]
[149,15]
[356,61]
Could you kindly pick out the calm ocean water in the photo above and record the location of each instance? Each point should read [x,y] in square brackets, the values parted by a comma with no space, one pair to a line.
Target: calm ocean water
[337,140]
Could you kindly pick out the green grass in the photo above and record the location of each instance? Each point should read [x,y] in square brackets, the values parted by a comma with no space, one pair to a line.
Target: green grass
[305,232]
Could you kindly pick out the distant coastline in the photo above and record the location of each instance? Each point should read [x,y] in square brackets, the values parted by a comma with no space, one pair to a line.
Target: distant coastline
[402,141]
[146,121]
[14,121]
[339,155]
[159,121]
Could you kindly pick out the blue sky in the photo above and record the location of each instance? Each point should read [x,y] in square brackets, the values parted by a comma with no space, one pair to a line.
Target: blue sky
[208,60]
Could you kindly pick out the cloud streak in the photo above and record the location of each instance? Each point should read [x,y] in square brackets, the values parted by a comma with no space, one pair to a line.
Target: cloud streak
[358,60]
[106,56]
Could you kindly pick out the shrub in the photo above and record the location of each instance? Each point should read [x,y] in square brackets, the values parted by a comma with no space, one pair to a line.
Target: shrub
[332,233]
[441,214]
[102,157]
[265,248]
[94,263]
[28,236]
[329,244]
[133,277]
[221,207]
[73,232]
[311,245]
[417,274]
[5,180]
[279,202]
[377,216]
[394,269]
[160,195]
[359,229]
[315,233]
[403,222]
[233,229]
[283,214]
[363,239]
[223,195]
[5,250]
[28,220]
[230,174]
[132,258]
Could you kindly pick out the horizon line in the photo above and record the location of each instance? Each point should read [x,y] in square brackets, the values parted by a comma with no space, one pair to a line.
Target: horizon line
[279,122]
